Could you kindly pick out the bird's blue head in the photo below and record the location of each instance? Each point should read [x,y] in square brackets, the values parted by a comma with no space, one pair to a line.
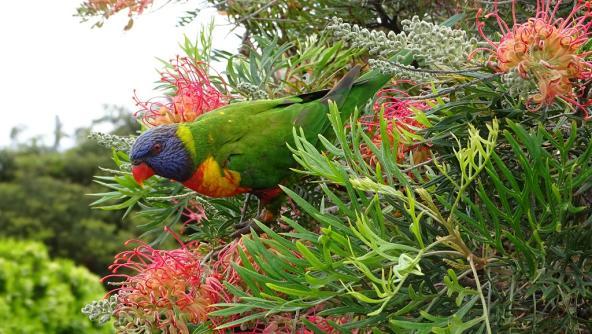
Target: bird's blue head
[160,151]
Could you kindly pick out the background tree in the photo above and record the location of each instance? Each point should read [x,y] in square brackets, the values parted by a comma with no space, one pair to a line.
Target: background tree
[291,20]
[43,295]
[43,197]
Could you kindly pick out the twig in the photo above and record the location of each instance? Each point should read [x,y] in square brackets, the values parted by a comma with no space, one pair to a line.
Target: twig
[244,208]
[168,198]
[113,171]
[388,22]
[427,162]
[332,209]
[483,302]
[211,254]
[425,70]
[273,19]
[294,324]
[443,252]
[448,90]
[253,14]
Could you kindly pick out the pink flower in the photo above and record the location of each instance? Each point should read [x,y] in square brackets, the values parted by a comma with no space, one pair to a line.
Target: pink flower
[107,8]
[545,49]
[193,94]
[399,115]
[194,212]
[230,255]
[165,290]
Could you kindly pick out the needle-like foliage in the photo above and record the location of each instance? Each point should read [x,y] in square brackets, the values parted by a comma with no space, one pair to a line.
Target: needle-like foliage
[454,207]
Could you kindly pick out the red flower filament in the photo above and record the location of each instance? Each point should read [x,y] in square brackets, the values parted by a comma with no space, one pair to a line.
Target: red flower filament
[194,213]
[193,94]
[168,290]
[545,49]
[110,7]
[399,115]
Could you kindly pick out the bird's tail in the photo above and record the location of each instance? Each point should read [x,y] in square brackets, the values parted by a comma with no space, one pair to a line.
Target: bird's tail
[350,93]
[339,93]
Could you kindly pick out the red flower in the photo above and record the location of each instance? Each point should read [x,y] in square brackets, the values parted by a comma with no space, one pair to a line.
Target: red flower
[193,95]
[399,115]
[194,212]
[107,8]
[167,289]
[322,324]
[229,255]
[545,49]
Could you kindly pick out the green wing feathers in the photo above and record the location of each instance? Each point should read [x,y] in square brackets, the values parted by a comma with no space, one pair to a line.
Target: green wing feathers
[369,84]
[252,137]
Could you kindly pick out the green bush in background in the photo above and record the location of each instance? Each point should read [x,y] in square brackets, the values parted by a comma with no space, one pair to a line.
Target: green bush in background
[42,198]
[40,295]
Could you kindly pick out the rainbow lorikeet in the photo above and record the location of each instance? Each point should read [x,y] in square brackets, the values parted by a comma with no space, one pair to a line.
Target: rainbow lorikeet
[243,147]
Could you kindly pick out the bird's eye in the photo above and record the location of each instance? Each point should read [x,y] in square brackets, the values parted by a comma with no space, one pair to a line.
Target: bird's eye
[156,148]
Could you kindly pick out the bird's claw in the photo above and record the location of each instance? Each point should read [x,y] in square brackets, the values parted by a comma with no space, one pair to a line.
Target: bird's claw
[245,227]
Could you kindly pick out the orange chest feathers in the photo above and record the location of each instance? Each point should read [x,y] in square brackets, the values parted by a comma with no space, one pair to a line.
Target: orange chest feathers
[211,180]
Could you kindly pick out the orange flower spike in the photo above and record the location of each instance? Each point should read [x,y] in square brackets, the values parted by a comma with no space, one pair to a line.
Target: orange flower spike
[193,95]
[110,7]
[545,49]
[164,289]
[399,115]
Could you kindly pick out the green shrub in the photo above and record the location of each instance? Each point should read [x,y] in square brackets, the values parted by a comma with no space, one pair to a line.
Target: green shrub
[41,295]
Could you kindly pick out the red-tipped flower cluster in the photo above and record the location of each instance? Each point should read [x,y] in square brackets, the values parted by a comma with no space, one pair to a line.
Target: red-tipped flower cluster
[170,291]
[164,290]
[545,49]
[107,8]
[193,94]
[400,117]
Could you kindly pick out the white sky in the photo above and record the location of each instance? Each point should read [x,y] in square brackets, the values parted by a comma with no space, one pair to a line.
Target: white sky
[51,64]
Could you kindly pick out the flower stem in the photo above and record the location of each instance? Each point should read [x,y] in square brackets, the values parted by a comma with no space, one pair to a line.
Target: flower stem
[485,310]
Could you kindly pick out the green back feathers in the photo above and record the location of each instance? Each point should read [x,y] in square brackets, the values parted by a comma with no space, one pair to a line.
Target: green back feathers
[252,137]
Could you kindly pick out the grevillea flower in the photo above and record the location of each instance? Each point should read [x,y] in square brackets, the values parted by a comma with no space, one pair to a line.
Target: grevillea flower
[194,213]
[163,290]
[107,8]
[545,49]
[399,115]
[193,94]
[230,255]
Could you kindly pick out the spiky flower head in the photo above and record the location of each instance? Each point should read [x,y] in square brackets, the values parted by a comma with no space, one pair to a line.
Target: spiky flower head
[166,291]
[107,8]
[545,49]
[191,95]
[401,123]
[229,256]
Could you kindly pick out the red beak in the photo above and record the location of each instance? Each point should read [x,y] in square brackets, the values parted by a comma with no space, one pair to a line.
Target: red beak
[142,172]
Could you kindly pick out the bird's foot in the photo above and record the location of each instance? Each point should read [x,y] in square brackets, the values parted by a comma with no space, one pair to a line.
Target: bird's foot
[245,227]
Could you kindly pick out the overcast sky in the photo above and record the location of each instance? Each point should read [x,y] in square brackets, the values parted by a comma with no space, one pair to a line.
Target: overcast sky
[54,65]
